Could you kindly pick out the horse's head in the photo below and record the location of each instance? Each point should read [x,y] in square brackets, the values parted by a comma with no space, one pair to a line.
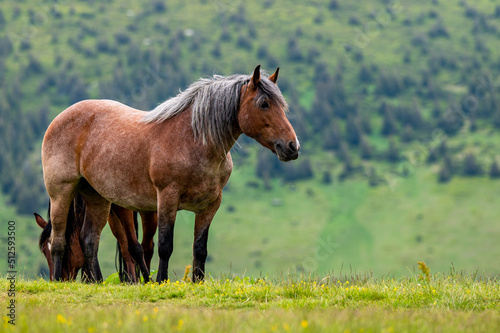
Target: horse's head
[73,261]
[262,116]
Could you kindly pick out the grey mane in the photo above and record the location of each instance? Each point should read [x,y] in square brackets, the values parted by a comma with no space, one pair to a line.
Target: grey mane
[215,103]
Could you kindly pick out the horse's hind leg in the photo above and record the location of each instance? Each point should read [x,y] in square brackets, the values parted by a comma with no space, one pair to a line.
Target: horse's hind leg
[96,217]
[149,225]
[60,198]
[134,247]
[117,229]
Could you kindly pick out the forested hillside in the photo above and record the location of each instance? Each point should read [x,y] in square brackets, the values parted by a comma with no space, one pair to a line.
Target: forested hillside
[381,93]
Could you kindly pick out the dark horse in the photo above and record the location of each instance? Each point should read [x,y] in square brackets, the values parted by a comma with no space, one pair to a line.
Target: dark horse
[175,157]
[123,225]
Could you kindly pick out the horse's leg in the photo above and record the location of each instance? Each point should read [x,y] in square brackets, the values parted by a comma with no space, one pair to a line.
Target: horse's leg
[167,211]
[59,209]
[117,229]
[149,225]
[96,217]
[201,226]
[134,247]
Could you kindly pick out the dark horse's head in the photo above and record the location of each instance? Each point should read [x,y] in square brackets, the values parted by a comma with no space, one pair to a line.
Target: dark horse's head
[262,116]
[73,257]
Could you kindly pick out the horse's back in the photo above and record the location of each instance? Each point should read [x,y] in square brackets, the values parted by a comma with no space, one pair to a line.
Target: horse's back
[75,128]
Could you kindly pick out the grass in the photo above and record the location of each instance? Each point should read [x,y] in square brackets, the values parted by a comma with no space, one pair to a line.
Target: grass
[357,303]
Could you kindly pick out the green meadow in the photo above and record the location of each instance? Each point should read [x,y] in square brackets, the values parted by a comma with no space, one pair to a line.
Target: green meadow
[358,303]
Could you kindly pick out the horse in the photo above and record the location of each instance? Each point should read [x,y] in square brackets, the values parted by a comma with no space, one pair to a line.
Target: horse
[175,157]
[123,224]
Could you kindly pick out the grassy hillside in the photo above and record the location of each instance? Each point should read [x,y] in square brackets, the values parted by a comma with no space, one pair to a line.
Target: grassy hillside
[387,98]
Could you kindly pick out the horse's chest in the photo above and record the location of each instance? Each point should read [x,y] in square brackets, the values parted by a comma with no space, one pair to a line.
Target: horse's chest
[201,192]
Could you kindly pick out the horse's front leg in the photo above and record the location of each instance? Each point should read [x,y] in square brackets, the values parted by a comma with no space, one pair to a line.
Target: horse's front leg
[167,211]
[201,226]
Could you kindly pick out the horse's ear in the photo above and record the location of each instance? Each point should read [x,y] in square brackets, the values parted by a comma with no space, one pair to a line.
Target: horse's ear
[274,77]
[40,221]
[256,76]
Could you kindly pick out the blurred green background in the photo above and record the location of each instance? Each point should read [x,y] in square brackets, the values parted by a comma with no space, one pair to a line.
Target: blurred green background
[395,103]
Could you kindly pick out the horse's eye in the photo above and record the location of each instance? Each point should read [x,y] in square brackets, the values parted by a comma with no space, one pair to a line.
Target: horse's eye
[265,105]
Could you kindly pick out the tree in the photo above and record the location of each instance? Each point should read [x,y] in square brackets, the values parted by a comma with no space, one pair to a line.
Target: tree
[446,171]
[389,84]
[365,75]
[294,51]
[373,179]
[344,154]
[389,125]
[433,155]
[334,4]
[332,137]
[353,130]
[494,170]
[327,178]
[365,149]
[2,20]
[471,167]
[407,135]
[393,152]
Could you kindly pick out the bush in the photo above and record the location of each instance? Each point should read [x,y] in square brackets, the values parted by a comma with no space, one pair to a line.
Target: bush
[244,42]
[389,84]
[294,171]
[373,178]
[294,51]
[366,150]
[392,153]
[353,20]
[446,171]
[353,130]
[471,167]
[327,178]
[389,125]
[3,22]
[333,5]
[438,30]
[159,6]
[122,38]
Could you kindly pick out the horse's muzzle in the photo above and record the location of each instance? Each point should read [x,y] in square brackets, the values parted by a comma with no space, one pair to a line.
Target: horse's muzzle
[287,151]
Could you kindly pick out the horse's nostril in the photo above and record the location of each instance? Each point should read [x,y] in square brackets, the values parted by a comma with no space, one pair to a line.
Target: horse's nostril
[292,146]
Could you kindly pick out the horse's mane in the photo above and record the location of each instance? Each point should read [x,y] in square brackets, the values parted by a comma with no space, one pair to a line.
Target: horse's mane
[214,103]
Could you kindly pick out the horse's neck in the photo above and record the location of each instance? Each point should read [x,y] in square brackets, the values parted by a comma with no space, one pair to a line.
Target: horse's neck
[182,127]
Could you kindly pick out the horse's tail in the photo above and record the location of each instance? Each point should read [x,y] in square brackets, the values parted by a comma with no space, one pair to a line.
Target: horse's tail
[136,226]
[119,260]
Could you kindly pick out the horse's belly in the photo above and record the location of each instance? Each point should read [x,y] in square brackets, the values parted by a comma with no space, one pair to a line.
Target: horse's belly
[137,196]
[198,202]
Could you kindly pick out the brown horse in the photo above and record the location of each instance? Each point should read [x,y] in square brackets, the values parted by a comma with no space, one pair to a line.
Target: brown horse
[122,225]
[175,157]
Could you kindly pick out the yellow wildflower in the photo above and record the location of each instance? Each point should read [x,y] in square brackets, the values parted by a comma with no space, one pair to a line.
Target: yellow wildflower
[61,319]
